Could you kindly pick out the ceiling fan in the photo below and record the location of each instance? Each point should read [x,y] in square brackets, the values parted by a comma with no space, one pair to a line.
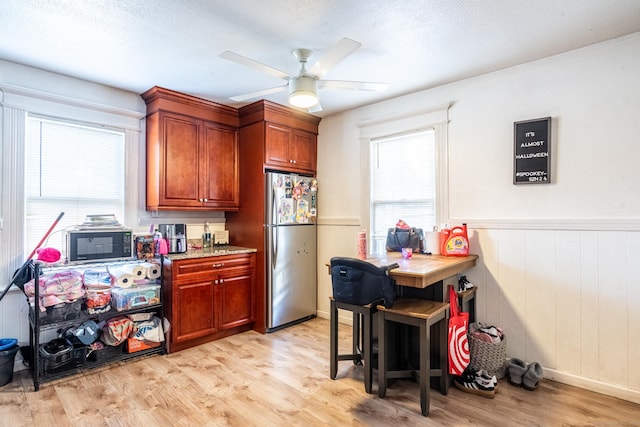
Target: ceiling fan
[303,88]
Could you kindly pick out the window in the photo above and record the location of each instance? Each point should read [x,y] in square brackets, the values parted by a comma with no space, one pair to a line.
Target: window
[404,156]
[403,183]
[71,168]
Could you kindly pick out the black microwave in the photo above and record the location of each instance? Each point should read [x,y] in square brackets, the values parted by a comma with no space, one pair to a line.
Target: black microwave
[99,245]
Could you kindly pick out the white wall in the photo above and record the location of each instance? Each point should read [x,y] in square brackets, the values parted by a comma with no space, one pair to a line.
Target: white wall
[558,262]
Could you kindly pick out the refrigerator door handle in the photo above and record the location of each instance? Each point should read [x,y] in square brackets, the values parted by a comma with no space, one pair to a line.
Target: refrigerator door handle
[274,230]
[274,206]
[274,247]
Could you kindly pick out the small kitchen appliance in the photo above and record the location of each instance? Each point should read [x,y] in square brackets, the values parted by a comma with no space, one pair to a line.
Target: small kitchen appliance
[175,235]
[100,244]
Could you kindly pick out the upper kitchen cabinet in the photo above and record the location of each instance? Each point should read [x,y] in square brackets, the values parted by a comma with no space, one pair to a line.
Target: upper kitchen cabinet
[286,138]
[192,153]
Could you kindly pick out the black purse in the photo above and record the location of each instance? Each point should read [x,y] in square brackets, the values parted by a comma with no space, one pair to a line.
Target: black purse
[398,238]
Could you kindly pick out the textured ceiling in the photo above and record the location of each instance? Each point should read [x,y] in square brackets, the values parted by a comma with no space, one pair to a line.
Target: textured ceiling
[412,45]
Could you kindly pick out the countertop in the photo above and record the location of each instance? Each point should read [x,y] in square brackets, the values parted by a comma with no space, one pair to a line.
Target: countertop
[215,251]
[420,271]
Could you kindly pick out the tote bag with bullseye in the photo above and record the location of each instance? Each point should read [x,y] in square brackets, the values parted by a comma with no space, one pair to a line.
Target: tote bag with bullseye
[459,355]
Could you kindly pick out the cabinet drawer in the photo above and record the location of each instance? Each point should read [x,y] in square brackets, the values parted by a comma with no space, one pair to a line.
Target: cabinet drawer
[210,266]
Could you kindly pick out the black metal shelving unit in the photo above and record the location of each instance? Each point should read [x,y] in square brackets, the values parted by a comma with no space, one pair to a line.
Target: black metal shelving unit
[83,358]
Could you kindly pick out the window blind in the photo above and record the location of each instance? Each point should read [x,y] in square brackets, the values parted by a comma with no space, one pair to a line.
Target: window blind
[71,168]
[403,183]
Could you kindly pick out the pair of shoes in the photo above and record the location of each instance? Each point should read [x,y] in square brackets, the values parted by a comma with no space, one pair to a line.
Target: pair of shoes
[482,377]
[481,385]
[464,284]
[521,374]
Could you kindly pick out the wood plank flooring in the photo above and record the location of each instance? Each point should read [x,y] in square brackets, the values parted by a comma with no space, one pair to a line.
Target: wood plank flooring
[280,379]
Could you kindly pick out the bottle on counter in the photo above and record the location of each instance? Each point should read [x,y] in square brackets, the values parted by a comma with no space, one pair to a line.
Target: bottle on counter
[157,238]
[206,237]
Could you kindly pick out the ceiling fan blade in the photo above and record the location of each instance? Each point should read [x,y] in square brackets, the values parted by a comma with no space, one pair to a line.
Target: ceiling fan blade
[315,109]
[248,62]
[348,85]
[343,49]
[258,94]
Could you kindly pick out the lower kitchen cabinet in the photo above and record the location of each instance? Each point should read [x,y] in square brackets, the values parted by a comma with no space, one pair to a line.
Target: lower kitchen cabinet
[209,298]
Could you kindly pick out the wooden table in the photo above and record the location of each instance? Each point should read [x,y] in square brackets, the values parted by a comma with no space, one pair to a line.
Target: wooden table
[421,271]
[424,277]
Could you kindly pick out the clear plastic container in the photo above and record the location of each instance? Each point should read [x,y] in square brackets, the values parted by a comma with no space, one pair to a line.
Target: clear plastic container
[130,298]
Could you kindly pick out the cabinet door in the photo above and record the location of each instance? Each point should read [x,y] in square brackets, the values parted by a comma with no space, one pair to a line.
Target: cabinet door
[303,150]
[236,302]
[277,139]
[290,149]
[179,161]
[193,311]
[219,167]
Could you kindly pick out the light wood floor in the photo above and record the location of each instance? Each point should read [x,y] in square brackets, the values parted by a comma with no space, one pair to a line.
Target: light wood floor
[279,379]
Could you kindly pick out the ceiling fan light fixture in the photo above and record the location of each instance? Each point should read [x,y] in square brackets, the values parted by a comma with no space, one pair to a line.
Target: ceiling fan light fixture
[303,92]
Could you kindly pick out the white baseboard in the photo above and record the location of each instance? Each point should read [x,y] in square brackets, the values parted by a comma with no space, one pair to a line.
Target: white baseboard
[592,385]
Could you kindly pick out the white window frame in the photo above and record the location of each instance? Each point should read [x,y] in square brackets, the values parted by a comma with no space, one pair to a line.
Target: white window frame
[435,118]
[16,103]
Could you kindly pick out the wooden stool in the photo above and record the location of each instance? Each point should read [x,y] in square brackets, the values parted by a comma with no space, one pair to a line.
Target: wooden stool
[362,348]
[424,314]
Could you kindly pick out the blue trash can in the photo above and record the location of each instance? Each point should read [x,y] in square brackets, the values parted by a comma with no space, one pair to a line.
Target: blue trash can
[8,349]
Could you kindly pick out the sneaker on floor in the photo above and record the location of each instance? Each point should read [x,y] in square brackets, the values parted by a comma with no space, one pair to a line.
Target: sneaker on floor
[472,386]
[484,378]
[481,377]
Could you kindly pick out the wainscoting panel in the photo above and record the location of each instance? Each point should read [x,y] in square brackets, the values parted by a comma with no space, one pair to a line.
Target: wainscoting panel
[569,300]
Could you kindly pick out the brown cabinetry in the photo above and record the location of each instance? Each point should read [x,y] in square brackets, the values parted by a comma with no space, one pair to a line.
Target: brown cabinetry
[284,138]
[208,298]
[290,149]
[192,153]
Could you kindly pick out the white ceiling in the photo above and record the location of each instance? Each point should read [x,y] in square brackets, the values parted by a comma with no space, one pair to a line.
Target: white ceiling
[410,44]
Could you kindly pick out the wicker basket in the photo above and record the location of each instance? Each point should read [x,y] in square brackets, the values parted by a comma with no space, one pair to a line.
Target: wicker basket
[488,356]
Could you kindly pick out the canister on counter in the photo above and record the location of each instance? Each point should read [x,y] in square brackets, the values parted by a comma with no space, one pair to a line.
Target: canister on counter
[362,244]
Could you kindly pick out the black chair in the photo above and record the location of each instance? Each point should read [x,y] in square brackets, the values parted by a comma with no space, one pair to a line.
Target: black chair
[358,286]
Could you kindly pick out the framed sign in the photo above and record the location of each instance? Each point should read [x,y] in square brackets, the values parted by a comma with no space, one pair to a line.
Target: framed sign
[531,151]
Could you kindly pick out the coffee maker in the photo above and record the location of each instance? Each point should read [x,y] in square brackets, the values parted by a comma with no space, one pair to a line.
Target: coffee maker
[175,235]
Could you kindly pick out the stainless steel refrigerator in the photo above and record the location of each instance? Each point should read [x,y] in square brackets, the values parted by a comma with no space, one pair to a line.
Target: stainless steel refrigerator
[290,225]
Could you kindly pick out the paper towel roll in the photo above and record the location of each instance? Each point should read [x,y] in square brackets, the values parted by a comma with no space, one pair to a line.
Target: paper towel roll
[152,270]
[138,271]
[433,242]
[125,280]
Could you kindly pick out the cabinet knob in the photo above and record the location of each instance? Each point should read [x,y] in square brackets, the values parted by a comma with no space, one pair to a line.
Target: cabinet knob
[200,200]
[206,200]
[220,265]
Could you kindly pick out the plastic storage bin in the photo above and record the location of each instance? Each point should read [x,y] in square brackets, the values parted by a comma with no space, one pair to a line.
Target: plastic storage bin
[130,298]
